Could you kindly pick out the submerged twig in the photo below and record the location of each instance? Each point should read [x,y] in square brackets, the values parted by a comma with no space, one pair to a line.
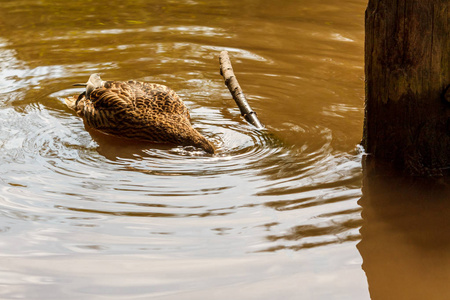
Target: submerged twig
[226,70]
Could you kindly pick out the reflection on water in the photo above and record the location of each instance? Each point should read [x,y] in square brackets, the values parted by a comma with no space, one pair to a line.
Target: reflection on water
[405,242]
[84,216]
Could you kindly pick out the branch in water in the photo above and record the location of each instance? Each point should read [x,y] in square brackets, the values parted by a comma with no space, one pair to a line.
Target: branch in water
[226,70]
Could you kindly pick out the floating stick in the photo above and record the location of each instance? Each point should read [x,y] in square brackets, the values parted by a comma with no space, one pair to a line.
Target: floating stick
[226,70]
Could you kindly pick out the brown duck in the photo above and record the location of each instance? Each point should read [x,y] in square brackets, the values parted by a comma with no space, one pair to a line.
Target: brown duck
[138,110]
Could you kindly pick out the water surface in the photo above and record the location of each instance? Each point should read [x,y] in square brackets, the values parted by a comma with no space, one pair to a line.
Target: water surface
[274,215]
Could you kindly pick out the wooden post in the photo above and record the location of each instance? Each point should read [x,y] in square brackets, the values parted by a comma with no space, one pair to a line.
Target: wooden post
[407,117]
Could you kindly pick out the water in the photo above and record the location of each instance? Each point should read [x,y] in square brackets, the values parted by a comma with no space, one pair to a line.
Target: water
[274,215]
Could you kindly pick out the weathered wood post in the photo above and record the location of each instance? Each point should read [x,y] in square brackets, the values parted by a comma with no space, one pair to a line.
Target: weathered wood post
[407,117]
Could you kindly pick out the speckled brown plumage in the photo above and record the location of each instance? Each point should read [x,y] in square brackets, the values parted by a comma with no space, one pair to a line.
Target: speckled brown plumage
[138,110]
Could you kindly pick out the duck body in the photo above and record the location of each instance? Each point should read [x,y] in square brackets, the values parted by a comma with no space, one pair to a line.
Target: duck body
[137,110]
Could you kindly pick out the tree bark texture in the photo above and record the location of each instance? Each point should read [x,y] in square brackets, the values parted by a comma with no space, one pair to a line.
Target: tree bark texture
[407,119]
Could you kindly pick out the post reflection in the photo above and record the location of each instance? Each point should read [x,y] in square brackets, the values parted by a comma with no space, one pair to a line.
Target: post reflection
[405,242]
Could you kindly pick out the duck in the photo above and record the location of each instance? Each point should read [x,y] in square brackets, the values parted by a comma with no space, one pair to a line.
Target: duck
[137,110]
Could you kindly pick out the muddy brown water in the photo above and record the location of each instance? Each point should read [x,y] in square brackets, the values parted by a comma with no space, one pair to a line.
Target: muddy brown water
[273,215]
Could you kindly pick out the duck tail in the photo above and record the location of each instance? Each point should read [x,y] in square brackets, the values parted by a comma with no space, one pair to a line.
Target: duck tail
[70,102]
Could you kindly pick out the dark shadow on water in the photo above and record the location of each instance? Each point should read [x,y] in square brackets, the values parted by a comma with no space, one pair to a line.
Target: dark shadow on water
[405,242]
[113,147]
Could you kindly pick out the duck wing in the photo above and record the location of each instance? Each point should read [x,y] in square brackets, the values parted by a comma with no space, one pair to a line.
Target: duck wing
[154,98]
[138,110]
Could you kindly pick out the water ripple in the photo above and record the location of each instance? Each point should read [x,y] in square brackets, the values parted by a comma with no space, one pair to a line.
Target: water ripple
[54,170]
